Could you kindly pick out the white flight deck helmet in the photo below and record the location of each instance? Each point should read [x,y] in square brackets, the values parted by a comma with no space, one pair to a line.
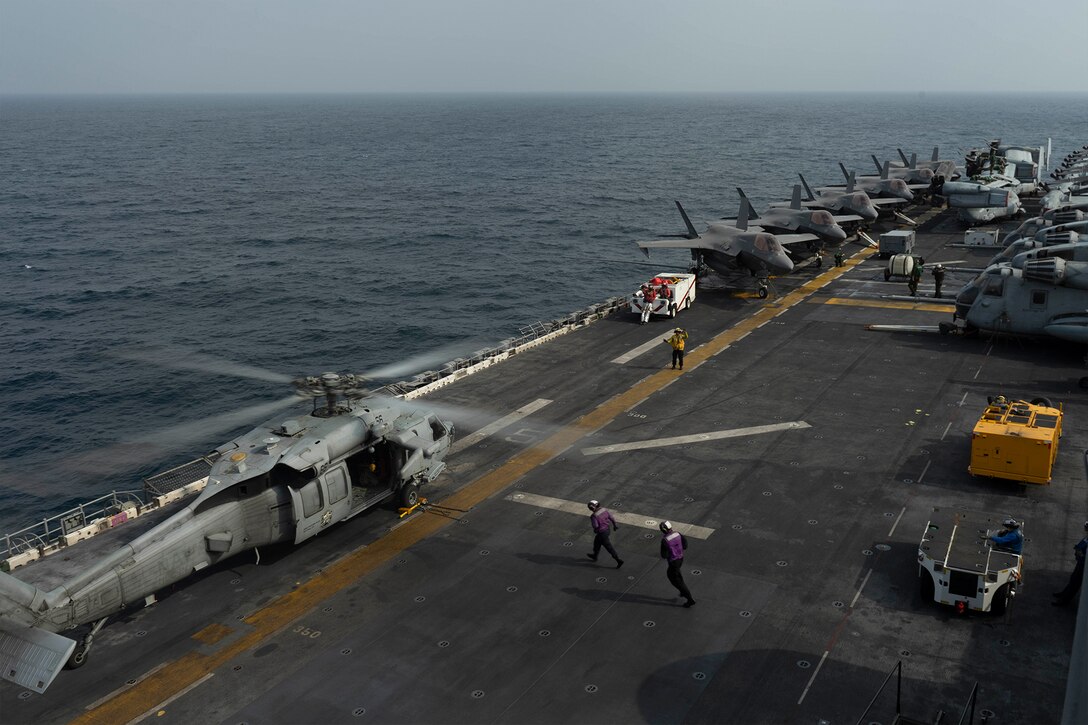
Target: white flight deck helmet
[1011,523]
[593,504]
[665,526]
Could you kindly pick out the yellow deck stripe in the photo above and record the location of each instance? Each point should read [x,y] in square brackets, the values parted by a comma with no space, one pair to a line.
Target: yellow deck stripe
[278,614]
[890,304]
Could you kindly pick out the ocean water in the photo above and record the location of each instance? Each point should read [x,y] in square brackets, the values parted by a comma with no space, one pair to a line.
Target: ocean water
[300,234]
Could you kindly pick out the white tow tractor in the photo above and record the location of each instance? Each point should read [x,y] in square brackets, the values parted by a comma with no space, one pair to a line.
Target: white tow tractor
[664,294]
[959,566]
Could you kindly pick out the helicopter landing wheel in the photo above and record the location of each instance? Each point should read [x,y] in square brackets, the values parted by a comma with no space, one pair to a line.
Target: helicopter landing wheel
[762,293]
[78,657]
[409,494]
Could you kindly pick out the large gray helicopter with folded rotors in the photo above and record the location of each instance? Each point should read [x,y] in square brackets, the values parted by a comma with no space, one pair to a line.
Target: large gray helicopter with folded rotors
[284,481]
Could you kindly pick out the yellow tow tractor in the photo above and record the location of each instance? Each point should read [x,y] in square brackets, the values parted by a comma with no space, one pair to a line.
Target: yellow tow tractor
[1017,440]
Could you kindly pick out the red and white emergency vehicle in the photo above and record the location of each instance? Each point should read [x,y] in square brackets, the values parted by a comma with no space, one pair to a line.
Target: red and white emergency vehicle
[664,294]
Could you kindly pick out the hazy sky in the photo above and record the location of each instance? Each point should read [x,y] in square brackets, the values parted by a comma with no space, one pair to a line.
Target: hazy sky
[138,46]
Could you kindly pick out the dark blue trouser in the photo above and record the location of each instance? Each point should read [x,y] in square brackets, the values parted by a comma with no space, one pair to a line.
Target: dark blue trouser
[676,577]
[678,357]
[1073,586]
[602,539]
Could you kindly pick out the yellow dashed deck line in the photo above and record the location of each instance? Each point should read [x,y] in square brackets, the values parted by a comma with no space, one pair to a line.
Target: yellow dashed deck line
[278,614]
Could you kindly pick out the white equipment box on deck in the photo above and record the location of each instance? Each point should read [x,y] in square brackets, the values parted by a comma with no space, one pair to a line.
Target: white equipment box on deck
[900,241]
[980,238]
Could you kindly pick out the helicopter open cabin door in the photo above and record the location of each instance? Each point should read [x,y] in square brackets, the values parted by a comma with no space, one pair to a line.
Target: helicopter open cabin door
[320,502]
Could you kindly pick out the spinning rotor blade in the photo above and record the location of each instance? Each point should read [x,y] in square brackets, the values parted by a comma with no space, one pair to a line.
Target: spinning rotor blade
[182,359]
[125,457]
[185,435]
[419,362]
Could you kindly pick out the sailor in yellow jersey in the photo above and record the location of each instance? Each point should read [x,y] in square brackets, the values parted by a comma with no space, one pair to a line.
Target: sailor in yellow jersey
[679,336]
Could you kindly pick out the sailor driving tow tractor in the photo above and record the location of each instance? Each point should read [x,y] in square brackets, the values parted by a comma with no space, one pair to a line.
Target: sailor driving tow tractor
[1010,538]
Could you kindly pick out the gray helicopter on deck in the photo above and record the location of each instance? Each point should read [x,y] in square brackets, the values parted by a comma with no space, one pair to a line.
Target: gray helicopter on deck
[1043,292]
[284,481]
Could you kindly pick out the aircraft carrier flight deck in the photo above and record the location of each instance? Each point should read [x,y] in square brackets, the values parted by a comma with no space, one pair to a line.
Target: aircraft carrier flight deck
[801,453]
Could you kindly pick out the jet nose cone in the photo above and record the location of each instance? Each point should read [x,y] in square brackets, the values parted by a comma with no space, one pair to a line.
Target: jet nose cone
[868,213]
[836,234]
[779,263]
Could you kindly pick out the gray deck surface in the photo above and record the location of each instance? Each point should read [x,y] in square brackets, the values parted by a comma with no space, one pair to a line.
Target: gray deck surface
[807,587]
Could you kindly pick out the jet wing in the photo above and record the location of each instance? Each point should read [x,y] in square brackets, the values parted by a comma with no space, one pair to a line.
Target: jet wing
[787,239]
[720,247]
[807,203]
[890,202]
[840,218]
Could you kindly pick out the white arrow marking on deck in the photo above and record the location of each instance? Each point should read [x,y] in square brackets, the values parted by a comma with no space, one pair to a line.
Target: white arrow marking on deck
[697,438]
[498,425]
[573,507]
[641,349]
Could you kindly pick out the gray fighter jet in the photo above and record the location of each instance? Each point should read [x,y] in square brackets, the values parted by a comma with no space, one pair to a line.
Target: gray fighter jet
[941,167]
[883,186]
[912,173]
[726,249]
[797,219]
[848,200]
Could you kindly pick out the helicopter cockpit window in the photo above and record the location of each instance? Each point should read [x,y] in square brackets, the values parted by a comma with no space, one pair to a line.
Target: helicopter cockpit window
[995,286]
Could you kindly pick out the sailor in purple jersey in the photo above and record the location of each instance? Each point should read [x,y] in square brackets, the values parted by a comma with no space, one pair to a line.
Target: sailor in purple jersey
[603,525]
[673,544]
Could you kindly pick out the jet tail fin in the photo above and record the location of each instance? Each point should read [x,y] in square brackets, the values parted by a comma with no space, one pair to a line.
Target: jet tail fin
[913,161]
[935,156]
[795,202]
[886,171]
[903,156]
[811,196]
[745,203]
[845,173]
[32,657]
[850,183]
[873,157]
[692,234]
